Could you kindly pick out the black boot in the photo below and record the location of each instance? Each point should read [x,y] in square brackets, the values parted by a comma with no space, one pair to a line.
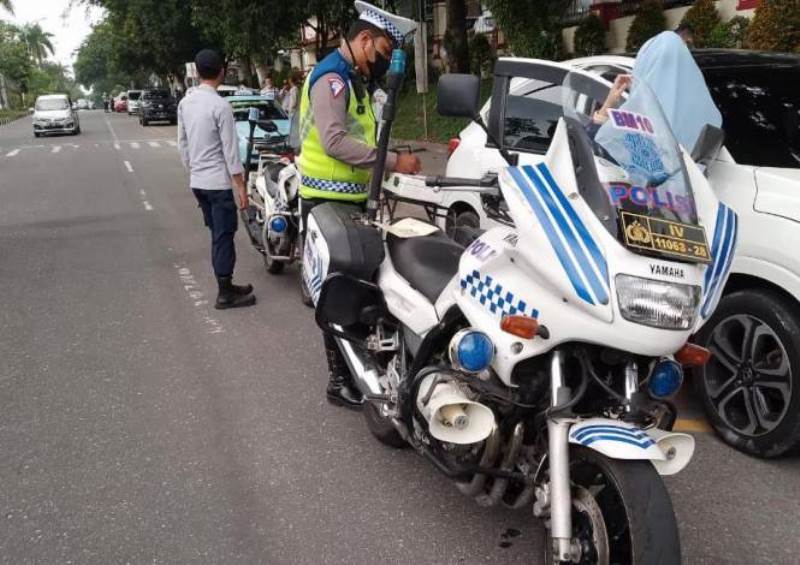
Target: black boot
[341,391]
[233,296]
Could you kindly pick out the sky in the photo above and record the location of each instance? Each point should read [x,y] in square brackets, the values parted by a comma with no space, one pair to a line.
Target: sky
[68,26]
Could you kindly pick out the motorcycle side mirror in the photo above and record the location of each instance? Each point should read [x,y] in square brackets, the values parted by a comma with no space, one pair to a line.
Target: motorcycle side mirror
[708,144]
[252,115]
[459,96]
[267,125]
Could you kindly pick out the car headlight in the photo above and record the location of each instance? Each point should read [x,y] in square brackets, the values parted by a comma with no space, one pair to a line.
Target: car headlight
[659,304]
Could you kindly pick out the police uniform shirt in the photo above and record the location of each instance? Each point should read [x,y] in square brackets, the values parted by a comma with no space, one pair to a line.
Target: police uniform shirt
[328,98]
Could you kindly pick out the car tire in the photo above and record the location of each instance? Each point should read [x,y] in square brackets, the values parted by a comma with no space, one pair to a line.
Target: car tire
[36,134]
[144,122]
[750,388]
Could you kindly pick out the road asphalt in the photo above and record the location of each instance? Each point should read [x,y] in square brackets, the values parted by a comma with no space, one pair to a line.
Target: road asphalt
[140,425]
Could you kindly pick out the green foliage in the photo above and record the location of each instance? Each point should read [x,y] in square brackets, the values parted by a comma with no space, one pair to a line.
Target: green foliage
[532,28]
[37,40]
[101,63]
[590,37]
[8,5]
[409,124]
[702,17]
[775,26]
[15,64]
[649,21]
[730,34]
[481,55]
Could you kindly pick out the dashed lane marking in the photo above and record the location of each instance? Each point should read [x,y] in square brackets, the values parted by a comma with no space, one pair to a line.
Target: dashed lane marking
[116,146]
[135,144]
[146,205]
[153,144]
[12,152]
[56,149]
[128,166]
[172,143]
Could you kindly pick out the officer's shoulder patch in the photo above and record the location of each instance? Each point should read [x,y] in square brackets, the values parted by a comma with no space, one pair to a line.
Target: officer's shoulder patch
[337,86]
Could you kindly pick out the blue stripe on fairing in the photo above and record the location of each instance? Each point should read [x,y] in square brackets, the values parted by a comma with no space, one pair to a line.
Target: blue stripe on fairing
[597,255]
[718,229]
[724,260]
[547,226]
[569,235]
[643,445]
[583,432]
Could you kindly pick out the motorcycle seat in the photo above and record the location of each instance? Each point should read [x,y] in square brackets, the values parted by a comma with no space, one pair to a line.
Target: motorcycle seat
[428,263]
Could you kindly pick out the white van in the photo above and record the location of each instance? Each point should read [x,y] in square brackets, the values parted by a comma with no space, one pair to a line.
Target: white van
[53,113]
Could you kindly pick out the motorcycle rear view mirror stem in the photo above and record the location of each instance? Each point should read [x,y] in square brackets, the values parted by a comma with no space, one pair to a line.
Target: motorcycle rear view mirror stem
[459,96]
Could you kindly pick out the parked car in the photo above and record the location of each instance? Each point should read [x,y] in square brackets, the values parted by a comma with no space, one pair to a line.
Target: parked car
[53,113]
[268,109]
[121,103]
[751,387]
[134,101]
[158,105]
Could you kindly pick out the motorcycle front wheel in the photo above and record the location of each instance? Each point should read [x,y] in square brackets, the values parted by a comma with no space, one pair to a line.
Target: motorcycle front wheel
[621,513]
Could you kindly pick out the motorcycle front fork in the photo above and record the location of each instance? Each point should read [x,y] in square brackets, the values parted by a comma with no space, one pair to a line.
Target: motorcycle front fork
[558,455]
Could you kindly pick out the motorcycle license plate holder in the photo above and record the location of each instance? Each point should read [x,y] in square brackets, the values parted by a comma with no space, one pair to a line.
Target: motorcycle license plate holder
[664,238]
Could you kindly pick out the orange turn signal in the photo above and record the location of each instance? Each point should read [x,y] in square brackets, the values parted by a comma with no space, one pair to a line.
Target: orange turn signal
[691,355]
[520,326]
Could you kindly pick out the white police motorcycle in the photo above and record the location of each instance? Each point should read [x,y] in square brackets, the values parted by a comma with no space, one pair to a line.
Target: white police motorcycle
[535,366]
[272,217]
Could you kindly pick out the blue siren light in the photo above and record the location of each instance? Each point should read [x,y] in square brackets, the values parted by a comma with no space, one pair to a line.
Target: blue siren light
[666,379]
[471,351]
[278,224]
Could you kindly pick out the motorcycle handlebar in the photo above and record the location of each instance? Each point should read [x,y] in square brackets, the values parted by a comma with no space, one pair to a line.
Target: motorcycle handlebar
[488,181]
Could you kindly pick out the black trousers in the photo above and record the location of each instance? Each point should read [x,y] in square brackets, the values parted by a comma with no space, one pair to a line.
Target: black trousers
[221,217]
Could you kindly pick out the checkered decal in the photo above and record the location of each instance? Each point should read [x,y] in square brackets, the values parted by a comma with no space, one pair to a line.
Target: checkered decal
[491,294]
[377,19]
[334,186]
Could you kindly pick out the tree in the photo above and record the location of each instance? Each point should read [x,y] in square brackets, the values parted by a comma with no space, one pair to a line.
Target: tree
[8,5]
[38,42]
[730,34]
[455,37]
[532,27]
[100,61]
[702,17]
[590,37]
[15,64]
[649,21]
[775,26]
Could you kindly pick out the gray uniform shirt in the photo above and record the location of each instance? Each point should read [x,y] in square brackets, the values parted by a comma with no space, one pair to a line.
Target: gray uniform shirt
[207,139]
[329,104]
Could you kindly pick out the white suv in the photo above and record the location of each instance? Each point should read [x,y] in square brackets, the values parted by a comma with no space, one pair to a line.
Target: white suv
[53,113]
[751,387]
[134,101]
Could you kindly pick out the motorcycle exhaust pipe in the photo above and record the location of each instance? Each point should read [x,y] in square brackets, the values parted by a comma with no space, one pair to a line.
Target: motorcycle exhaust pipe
[364,373]
[500,485]
[490,451]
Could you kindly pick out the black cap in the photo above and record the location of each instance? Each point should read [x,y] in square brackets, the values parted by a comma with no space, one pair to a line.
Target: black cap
[209,63]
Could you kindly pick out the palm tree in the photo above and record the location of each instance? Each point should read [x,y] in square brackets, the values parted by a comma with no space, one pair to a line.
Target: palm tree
[37,40]
[8,5]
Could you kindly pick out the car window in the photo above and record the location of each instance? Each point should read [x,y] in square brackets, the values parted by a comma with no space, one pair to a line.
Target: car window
[47,104]
[134,95]
[760,114]
[533,108]
[154,94]
[608,72]
[267,110]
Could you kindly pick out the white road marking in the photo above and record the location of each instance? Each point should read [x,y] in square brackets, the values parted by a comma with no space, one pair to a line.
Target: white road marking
[146,205]
[172,143]
[128,166]
[12,153]
[56,149]
[153,144]
[113,133]
[143,193]
[116,146]
[135,145]
[191,287]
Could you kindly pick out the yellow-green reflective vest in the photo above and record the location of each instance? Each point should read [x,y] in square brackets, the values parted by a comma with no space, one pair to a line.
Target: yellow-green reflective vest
[323,176]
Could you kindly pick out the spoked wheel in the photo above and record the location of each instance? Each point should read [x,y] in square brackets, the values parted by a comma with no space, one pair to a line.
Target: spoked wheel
[621,513]
[748,386]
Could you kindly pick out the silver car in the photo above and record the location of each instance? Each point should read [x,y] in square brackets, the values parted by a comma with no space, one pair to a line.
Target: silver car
[53,113]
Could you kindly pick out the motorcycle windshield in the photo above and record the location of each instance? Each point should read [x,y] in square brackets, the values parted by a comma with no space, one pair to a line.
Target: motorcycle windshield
[636,155]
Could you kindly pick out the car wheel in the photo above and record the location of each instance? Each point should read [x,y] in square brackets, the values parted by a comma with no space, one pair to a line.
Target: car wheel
[144,122]
[36,134]
[750,387]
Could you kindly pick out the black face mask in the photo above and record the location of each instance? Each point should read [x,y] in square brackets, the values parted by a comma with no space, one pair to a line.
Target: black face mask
[378,67]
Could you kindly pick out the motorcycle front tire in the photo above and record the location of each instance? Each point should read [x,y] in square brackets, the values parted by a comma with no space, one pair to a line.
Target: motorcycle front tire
[638,519]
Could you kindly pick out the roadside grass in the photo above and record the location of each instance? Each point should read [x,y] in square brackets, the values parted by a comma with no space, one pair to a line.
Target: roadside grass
[9,115]
[409,123]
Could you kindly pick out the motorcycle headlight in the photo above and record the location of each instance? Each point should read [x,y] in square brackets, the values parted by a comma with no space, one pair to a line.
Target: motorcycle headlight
[659,304]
